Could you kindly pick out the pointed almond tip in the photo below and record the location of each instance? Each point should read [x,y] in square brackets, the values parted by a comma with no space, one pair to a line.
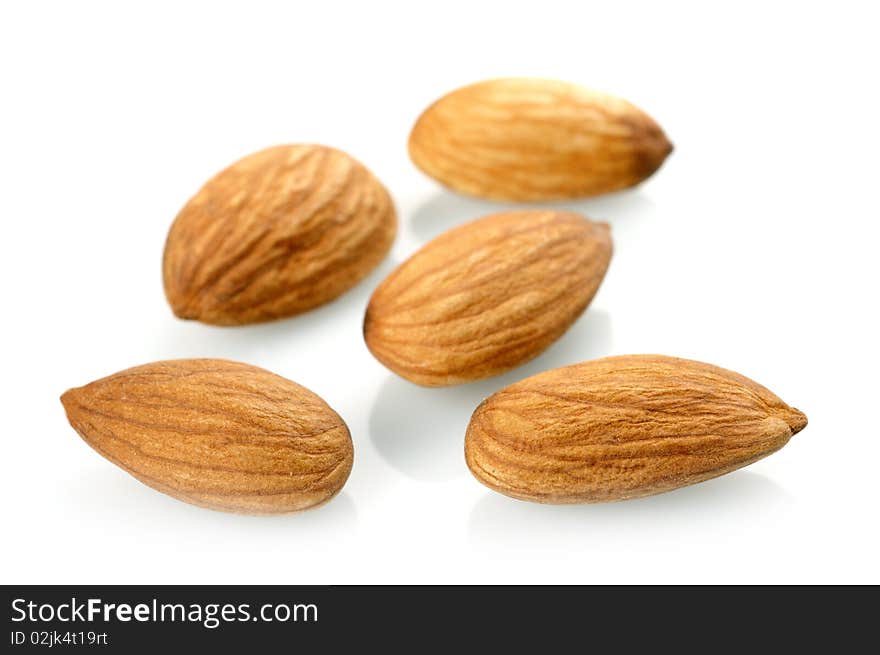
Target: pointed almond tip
[181,304]
[184,313]
[602,229]
[67,398]
[796,420]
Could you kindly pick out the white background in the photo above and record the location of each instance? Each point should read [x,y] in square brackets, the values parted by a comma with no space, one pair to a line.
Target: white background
[754,248]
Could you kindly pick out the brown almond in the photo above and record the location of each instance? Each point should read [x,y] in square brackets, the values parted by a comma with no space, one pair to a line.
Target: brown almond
[526,139]
[279,232]
[486,296]
[216,433]
[623,427]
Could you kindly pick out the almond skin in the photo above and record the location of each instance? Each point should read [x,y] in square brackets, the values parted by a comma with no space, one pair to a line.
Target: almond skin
[525,139]
[279,232]
[623,427]
[486,296]
[217,434]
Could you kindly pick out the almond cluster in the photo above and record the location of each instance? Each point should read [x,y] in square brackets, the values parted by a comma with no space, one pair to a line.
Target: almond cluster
[292,227]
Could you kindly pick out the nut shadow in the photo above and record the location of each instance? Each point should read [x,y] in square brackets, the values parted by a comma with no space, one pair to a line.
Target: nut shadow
[419,431]
[123,505]
[445,210]
[730,500]
[182,339]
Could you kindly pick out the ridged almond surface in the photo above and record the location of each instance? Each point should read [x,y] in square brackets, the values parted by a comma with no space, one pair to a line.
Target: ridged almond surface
[277,233]
[486,296]
[526,139]
[623,427]
[216,433]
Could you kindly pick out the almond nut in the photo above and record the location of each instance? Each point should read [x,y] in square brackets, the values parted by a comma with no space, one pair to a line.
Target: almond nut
[215,433]
[486,296]
[623,427]
[531,139]
[279,232]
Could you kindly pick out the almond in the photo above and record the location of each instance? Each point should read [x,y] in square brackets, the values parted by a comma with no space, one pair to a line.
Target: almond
[527,139]
[486,296]
[279,232]
[623,427]
[215,433]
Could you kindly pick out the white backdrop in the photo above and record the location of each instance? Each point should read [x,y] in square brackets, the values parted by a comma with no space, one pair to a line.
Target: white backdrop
[753,248]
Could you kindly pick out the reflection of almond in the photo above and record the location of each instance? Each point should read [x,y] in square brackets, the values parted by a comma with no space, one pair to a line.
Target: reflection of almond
[277,233]
[533,139]
[486,296]
[623,427]
[216,433]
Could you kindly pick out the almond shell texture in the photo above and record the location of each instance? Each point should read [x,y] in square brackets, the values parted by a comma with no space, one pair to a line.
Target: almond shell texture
[623,427]
[525,139]
[486,296]
[278,233]
[217,434]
